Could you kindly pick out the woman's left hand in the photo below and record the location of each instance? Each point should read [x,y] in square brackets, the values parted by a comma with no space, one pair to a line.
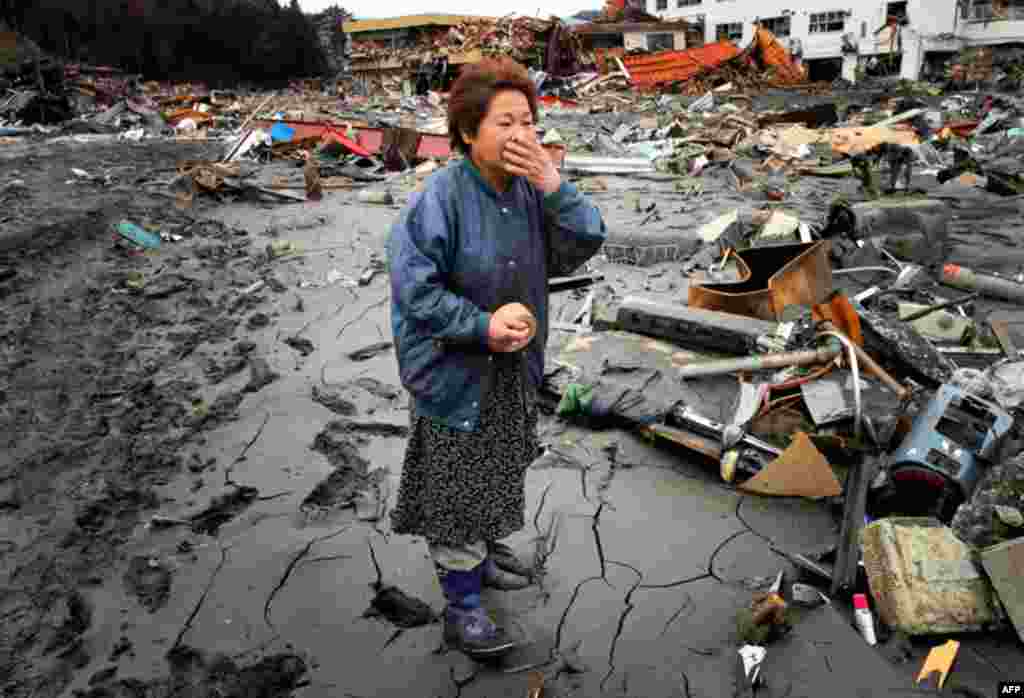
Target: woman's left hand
[526,158]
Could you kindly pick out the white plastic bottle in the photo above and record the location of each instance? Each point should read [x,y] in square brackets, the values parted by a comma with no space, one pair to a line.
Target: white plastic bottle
[862,615]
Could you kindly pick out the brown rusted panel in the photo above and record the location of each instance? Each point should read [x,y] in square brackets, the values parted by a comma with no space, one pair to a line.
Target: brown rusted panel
[770,279]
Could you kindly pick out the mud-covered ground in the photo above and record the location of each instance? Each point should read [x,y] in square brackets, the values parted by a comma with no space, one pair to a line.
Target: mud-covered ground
[201,444]
[94,419]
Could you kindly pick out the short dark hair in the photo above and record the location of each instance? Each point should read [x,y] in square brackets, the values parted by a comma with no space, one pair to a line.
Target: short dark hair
[471,95]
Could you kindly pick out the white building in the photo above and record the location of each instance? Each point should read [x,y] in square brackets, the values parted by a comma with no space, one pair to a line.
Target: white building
[833,33]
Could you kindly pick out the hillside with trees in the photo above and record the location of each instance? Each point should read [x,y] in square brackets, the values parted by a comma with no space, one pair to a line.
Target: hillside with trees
[217,41]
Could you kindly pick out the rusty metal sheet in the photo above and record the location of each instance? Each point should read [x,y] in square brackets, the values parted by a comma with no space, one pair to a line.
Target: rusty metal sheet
[771,278]
[775,55]
[678,66]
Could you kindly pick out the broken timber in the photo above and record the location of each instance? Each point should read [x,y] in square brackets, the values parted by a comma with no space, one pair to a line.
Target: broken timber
[693,327]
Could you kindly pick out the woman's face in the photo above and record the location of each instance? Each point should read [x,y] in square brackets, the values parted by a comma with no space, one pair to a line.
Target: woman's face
[508,118]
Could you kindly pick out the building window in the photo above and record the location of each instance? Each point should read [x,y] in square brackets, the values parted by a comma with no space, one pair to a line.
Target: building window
[661,5]
[688,3]
[661,42]
[729,32]
[897,10]
[825,22]
[779,26]
[988,10]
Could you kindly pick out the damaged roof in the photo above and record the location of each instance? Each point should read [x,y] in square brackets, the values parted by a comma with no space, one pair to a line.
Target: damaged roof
[405,22]
[624,27]
[670,66]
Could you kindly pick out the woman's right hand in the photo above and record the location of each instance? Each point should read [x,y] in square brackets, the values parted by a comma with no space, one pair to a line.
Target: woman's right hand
[512,327]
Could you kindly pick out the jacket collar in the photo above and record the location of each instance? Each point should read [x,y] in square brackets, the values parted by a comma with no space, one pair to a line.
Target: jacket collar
[471,167]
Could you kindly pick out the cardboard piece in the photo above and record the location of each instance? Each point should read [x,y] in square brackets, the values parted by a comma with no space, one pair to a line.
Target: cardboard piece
[801,471]
[940,660]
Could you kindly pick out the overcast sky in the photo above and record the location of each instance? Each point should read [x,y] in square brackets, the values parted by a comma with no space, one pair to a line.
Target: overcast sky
[366,9]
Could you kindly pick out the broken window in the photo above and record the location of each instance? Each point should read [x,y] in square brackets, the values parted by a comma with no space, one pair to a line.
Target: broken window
[779,26]
[732,31]
[661,5]
[824,22]
[897,10]
[978,10]
[661,42]
[688,3]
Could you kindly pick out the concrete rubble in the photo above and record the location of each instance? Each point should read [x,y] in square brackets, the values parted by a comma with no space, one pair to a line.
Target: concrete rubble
[788,379]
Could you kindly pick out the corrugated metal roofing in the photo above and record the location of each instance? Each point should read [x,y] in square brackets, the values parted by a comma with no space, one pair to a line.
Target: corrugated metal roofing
[391,23]
[672,66]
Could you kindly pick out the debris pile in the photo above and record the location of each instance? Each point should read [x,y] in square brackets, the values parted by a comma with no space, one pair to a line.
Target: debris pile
[765,63]
[817,317]
[824,346]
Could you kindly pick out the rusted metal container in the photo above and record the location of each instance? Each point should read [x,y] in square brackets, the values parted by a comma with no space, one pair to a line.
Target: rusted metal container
[771,278]
[923,579]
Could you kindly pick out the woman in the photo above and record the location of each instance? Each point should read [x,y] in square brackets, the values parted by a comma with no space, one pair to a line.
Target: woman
[482,237]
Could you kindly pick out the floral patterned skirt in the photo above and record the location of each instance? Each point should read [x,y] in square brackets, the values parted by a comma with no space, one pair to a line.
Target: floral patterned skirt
[461,487]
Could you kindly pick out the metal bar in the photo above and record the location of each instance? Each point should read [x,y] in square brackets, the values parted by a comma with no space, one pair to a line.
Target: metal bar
[564,283]
[855,500]
[583,316]
[941,306]
[599,165]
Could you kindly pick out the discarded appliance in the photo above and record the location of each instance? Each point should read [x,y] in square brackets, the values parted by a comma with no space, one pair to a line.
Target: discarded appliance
[937,466]
[923,578]
[771,278]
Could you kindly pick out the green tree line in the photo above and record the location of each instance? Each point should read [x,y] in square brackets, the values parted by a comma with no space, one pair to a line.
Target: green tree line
[218,41]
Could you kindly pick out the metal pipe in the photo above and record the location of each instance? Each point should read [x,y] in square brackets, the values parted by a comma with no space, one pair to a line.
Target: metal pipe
[941,306]
[902,392]
[857,270]
[995,286]
[759,362]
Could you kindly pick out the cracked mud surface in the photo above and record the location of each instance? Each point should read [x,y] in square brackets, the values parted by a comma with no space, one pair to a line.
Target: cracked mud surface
[121,404]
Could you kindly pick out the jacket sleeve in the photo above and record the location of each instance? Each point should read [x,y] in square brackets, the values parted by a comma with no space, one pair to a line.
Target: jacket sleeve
[419,261]
[575,229]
